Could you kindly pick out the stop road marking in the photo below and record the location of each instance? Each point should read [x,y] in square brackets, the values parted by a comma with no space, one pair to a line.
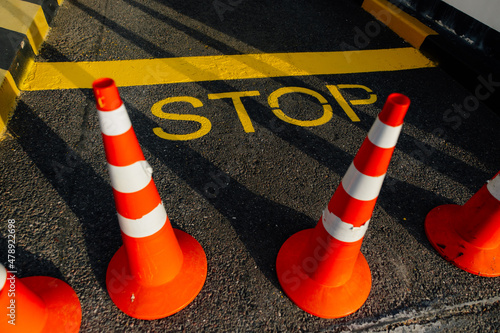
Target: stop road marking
[236,97]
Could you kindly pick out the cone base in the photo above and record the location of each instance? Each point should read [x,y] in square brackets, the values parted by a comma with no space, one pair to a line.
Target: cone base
[439,228]
[154,302]
[317,299]
[64,313]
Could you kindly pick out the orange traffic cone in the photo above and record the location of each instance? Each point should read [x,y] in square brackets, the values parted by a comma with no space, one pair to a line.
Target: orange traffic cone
[322,269]
[37,304]
[159,270]
[469,236]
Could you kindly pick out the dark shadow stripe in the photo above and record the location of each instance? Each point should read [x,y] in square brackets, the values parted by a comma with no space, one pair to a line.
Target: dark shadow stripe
[470,71]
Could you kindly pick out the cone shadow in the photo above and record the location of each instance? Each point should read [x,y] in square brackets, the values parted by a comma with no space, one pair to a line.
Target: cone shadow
[87,195]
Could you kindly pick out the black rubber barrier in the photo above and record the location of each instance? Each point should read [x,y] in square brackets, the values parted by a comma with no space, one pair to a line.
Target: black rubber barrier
[476,65]
[475,74]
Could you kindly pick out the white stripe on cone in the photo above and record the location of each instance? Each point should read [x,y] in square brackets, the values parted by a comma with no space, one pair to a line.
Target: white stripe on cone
[341,230]
[494,187]
[147,225]
[360,186]
[384,136]
[3,276]
[114,122]
[130,178]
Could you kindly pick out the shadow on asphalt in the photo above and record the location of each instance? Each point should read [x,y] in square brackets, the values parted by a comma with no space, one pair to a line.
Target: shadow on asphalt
[32,265]
[267,223]
[261,224]
[290,26]
[207,14]
[85,192]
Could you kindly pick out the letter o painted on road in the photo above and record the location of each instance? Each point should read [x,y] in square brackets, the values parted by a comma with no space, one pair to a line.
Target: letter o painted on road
[273,103]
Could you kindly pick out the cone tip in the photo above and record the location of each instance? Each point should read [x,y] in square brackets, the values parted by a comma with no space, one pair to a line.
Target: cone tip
[394,109]
[106,94]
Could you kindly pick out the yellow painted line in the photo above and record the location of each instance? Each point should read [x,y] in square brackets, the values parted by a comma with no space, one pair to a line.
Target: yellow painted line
[157,110]
[238,106]
[273,102]
[405,25]
[334,90]
[72,75]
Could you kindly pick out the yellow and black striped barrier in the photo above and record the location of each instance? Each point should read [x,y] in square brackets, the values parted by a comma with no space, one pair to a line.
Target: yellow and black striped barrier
[23,29]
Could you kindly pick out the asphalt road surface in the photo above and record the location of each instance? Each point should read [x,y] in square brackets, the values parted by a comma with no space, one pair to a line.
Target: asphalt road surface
[247,182]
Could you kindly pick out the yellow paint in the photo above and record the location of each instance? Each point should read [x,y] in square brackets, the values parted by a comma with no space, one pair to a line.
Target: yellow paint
[17,15]
[238,105]
[334,90]
[25,18]
[72,75]
[273,102]
[344,104]
[38,30]
[405,25]
[205,124]
[372,99]
[8,95]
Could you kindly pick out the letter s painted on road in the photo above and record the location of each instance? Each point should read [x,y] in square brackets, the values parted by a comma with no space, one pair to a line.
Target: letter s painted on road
[156,109]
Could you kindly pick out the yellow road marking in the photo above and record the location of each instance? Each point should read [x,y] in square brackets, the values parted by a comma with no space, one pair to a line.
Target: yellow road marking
[73,75]
[158,109]
[343,103]
[238,105]
[205,124]
[372,99]
[274,103]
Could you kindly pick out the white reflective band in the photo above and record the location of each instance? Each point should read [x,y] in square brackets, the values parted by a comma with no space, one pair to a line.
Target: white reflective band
[494,187]
[114,122]
[130,178]
[384,136]
[3,276]
[360,186]
[147,225]
[341,230]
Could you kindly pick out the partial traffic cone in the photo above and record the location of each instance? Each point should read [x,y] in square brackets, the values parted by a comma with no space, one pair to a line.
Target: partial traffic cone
[322,269]
[468,236]
[159,270]
[37,304]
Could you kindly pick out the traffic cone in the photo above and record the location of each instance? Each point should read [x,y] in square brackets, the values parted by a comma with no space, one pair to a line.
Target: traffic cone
[322,269]
[469,236]
[159,270]
[37,304]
